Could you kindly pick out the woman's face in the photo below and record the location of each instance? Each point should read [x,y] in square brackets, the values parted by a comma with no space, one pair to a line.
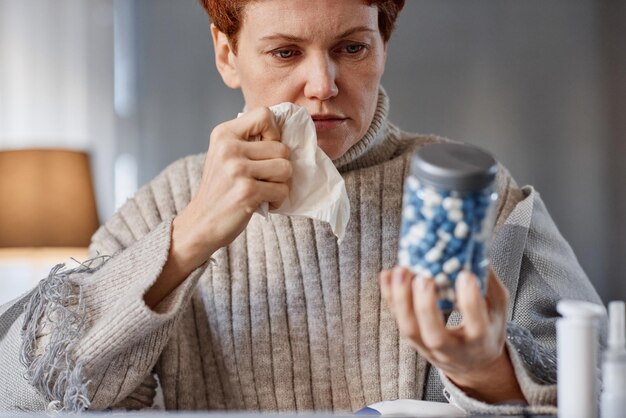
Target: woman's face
[325,55]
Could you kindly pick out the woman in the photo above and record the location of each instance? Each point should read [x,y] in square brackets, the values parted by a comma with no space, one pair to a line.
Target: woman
[284,318]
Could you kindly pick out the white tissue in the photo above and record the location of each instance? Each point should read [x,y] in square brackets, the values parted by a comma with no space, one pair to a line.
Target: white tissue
[317,189]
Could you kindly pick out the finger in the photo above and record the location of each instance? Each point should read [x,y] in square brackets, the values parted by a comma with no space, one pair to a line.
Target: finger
[402,300]
[257,122]
[384,279]
[497,295]
[273,193]
[277,170]
[472,306]
[429,317]
[265,150]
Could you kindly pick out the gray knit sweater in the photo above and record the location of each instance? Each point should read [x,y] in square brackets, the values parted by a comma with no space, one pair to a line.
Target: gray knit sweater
[284,319]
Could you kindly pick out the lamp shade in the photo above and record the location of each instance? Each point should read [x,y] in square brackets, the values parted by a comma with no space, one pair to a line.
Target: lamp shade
[47,198]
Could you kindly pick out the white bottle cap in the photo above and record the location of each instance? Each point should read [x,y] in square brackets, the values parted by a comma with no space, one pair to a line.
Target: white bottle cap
[581,310]
[617,325]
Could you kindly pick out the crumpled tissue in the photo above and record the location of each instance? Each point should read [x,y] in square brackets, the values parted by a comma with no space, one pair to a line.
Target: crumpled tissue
[317,189]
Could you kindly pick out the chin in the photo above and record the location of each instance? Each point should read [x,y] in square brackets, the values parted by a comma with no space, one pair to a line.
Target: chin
[334,148]
[330,149]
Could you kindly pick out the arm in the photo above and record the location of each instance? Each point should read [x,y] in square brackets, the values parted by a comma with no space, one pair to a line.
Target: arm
[89,339]
[51,336]
[93,334]
[238,176]
[539,268]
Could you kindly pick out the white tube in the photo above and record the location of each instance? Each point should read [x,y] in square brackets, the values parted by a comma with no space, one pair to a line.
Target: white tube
[577,355]
[613,398]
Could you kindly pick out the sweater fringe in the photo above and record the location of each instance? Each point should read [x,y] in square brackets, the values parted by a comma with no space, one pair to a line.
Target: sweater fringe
[57,303]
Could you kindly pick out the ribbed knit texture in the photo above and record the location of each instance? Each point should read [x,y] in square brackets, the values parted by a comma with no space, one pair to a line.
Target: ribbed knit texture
[290,321]
[284,319]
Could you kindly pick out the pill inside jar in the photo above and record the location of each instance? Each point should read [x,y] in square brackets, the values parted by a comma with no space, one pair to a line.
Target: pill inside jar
[448,215]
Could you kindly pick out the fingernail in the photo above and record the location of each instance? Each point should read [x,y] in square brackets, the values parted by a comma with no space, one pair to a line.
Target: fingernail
[423,282]
[466,280]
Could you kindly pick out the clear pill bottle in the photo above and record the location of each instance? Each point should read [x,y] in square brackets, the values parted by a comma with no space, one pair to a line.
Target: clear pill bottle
[448,215]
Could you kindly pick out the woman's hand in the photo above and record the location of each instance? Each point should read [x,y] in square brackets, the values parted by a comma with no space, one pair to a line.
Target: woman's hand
[472,355]
[246,165]
[240,172]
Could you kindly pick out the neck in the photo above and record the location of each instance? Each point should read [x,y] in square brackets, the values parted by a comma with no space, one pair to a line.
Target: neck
[375,146]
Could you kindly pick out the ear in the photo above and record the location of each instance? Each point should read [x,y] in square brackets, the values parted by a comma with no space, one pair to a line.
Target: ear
[225,58]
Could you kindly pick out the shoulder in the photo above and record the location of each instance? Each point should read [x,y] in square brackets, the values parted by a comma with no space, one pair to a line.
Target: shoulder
[409,142]
[156,201]
[172,189]
[182,168]
[182,173]
[509,194]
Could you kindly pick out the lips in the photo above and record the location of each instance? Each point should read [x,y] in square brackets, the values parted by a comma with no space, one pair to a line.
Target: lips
[327,121]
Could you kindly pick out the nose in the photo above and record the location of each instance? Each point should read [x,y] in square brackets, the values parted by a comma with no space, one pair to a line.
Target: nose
[320,76]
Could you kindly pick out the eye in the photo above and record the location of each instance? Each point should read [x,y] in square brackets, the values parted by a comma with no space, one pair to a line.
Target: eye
[284,54]
[354,48]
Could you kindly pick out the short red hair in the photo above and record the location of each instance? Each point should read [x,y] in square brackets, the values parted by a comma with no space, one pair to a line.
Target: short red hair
[226,15]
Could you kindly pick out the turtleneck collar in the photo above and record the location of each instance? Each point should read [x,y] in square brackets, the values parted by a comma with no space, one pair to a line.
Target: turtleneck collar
[376,145]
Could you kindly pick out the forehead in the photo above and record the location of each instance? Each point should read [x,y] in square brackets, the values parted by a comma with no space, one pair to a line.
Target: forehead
[309,19]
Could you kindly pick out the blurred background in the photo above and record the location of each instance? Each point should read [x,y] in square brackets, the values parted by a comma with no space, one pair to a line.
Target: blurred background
[131,86]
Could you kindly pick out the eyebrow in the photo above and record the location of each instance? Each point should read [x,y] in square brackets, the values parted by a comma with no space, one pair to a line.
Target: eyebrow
[293,38]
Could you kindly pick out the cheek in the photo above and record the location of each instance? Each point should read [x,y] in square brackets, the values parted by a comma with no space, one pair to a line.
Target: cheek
[266,86]
[363,90]
[361,78]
